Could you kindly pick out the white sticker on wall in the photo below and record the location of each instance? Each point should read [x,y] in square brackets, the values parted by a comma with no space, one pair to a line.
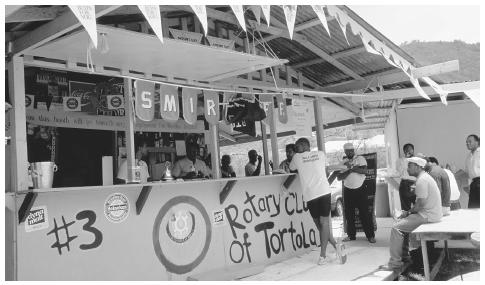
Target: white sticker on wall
[218,218]
[116,207]
[37,219]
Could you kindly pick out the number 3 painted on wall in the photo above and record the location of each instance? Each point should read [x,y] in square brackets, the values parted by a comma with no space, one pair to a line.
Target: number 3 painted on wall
[98,236]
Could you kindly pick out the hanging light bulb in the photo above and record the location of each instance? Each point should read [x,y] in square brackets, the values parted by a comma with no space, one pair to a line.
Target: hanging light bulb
[103,43]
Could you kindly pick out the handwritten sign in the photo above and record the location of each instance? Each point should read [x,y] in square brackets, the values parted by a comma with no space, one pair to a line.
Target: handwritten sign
[86,14]
[302,117]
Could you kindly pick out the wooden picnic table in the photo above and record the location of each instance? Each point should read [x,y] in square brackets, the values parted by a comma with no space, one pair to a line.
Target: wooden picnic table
[459,225]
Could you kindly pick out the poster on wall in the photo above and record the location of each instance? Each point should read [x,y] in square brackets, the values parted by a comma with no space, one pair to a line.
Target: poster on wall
[302,118]
[85,91]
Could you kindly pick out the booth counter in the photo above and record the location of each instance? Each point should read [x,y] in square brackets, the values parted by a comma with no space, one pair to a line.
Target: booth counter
[158,231]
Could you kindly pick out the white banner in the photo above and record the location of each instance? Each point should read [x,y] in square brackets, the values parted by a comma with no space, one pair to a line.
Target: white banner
[302,118]
[186,36]
[321,15]
[152,14]
[86,14]
[239,12]
[266,12]
[201,13]
[290,15]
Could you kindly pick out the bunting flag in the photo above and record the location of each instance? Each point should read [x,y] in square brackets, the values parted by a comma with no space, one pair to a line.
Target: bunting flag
[266,12]
[342,19]
[416,85]
[443,94]
[86,14]
[152,14]
[239,12]
[267,105]
[211,107]
[282,111]
[257,13]
[169,102]
[201,13]
[474,95]
[189,105]
[321,15]
[144,100]
[228,96]
[290,15]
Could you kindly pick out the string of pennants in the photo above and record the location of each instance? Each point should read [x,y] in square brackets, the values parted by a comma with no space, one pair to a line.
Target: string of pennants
[86,15]
[144,106]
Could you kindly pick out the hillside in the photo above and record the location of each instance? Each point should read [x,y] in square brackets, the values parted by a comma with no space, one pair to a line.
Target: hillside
[435,52]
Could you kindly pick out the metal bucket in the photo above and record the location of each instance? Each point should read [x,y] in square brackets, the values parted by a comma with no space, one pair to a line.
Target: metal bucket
[43,173]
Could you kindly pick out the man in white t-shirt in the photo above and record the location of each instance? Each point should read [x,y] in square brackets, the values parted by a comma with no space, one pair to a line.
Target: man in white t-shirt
[316,192]
[123,168]
[355,195]
[427,209]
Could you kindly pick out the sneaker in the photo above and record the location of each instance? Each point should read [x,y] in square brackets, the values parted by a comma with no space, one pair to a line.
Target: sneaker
[387,267]
[372,240]
[322,260]
[340,253]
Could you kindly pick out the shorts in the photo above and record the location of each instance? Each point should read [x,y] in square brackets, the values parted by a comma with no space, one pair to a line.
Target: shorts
[320,207]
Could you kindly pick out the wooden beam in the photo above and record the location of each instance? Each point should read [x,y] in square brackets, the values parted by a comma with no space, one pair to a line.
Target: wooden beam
[336,55]
[31,13]
[280,32]
[318,113]
[53,29]
[412,92]
[10,9]
[387,77]
[18,146]
[321,53]
[130,131]
[435,69]
[307,24]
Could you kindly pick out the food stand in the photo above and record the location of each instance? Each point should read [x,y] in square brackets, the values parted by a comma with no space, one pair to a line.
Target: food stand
[163,230]
[154,231]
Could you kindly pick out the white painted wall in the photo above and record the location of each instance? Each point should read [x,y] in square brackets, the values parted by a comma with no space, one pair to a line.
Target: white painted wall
[438,130]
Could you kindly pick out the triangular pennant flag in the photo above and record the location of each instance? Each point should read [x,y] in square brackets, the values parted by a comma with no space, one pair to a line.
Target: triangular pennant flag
[290,15]
[189,105]
[266,12]
[257,13]
[443,94]
[282,112]
[169,102]
[86,14]
[321,15]
[145,100]
[474,95]
[152,14]
[416,85]
[335,12]
[239,12]
[201,13]
[368,47]
[266,101]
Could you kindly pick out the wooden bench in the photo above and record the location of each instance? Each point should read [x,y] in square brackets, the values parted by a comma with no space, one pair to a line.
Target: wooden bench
[459,225]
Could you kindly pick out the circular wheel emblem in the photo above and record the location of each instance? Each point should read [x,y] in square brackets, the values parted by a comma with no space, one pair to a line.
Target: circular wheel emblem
[182,234]
[28,101]
[72,103]
[115,102]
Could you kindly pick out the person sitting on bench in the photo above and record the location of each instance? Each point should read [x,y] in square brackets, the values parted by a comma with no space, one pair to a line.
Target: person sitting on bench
[427,209]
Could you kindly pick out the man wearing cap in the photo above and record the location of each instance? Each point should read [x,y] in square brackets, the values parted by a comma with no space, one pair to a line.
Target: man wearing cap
[427,209]
[355,195]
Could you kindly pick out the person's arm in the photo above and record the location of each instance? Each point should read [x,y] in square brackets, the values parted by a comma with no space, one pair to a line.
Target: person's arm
[232,173]
[361,168]
[258,168]
[176,170]
[418,206]
[446,188]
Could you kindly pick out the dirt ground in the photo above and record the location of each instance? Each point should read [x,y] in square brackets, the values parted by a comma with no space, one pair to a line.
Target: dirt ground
[461,261]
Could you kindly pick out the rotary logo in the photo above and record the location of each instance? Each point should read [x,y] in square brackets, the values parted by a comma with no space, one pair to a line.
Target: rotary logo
[116,208]
[28,101]
[115,101]
[181,226]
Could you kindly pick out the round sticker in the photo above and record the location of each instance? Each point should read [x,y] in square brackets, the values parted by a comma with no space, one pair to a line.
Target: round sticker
[116,208]
[182,234]
[28,101]
[115,101]
[72,103]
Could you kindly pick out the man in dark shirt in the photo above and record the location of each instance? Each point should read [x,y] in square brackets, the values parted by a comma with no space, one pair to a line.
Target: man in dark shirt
[443,182]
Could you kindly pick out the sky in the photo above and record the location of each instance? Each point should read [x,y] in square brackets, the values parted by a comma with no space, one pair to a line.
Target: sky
[423,23]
